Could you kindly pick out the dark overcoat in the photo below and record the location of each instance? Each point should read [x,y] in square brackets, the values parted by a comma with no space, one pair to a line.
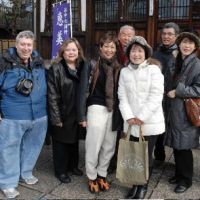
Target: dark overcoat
[63,100]
[181,134]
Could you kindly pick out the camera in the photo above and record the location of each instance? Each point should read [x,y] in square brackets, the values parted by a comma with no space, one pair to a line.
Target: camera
[24,86]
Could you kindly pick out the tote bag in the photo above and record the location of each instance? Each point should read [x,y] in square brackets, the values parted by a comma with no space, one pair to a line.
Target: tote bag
[132,161]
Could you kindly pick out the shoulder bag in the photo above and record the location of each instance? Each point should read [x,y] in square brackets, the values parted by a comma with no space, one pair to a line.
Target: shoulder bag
[192,106]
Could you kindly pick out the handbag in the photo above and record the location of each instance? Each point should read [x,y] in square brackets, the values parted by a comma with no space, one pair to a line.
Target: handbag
[192,106]
[132,160]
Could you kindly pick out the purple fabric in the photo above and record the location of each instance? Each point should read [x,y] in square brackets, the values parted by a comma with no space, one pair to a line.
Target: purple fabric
[61,25]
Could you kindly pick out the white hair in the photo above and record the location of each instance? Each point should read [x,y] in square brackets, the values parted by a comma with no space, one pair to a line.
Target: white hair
[127,27]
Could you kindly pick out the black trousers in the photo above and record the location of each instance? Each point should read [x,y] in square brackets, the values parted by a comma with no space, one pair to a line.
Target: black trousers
[151,143]
[183,166]
[159,151]
[65,156]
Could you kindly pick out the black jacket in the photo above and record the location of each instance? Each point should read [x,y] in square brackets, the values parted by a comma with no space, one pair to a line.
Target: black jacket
[63,100]
[166,57]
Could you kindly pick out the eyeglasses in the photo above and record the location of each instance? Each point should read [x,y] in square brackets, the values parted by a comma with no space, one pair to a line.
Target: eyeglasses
[169,34]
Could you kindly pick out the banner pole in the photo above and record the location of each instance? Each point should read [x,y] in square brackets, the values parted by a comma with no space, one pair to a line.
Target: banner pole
[71,18]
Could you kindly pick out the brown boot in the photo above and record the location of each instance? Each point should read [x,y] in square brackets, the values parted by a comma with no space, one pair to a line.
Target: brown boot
[93,186]
[103,184]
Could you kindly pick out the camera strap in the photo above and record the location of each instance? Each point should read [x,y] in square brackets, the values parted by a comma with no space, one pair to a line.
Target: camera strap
[25,75]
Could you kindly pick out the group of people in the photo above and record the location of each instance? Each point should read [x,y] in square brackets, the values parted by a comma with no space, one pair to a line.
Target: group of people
[126,85]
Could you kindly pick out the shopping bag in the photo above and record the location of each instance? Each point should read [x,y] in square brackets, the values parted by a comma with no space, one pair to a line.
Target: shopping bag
[132,161]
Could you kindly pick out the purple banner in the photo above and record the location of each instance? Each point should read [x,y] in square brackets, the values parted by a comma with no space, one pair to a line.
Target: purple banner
[61,25]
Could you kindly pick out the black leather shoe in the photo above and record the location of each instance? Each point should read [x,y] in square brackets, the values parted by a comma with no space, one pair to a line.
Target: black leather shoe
[77,172]
[180,188]
[141,192]
[132,192]
[173,180]
[64,178]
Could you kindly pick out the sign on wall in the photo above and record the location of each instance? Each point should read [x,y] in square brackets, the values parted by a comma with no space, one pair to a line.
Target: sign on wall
[61,25]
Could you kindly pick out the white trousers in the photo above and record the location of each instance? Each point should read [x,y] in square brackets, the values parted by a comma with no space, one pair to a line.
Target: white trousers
[100,141]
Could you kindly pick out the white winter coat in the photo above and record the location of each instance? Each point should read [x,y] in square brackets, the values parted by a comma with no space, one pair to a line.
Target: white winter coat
[140,95]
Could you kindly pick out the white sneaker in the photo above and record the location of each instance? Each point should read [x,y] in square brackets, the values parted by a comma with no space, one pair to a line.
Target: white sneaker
[31,180]
[10,193]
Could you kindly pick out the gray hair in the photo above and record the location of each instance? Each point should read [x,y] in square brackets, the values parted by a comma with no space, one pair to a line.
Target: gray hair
[127,27]
[25,34]
[172,25]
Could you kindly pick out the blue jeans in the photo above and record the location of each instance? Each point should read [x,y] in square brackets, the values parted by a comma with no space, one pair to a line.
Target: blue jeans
[20,145]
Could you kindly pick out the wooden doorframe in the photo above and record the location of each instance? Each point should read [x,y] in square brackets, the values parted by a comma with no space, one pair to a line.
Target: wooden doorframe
[89,27]
[152,24]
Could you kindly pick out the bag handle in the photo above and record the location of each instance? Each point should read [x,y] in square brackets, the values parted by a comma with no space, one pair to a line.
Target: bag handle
[141,135]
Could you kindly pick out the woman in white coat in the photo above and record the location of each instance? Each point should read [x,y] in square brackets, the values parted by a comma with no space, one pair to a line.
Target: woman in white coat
[141,87]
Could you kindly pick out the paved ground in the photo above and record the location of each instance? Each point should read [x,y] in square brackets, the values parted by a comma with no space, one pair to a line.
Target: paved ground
[50,188]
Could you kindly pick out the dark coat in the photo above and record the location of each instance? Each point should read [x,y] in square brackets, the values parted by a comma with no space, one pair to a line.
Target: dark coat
[180,133]
[167,59]
[63,95]
[86,85]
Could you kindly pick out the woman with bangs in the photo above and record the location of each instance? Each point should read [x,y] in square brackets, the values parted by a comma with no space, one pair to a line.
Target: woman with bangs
[141,88]
[103,117]
[181,135]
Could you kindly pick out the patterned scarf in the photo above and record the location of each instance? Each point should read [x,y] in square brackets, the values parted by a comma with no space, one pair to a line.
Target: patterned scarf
[109,86]
[111,68]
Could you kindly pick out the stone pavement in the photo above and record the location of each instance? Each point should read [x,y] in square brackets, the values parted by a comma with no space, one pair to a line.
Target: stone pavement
[49,187]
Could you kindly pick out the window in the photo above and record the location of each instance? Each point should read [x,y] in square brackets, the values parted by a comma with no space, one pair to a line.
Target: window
[173,9]
[109,10]
[196,9]
[106,10]
[16,15]
[76,13]
[134,9]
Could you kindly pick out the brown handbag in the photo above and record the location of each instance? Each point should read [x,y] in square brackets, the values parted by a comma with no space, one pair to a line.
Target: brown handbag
[192,106]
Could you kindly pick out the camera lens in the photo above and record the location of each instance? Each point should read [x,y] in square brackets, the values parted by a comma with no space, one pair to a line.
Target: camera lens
[28,84]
